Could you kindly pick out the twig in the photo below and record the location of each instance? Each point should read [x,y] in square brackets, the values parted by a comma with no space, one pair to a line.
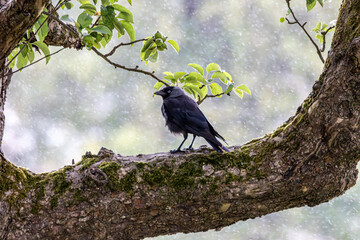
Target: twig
[76,34]
[136,69]
[323,34]
[97,20]
[122,44]
[34,62]
[210,96]
[303,28]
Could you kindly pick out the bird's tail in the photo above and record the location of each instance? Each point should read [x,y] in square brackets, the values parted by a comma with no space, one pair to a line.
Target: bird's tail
[217,145]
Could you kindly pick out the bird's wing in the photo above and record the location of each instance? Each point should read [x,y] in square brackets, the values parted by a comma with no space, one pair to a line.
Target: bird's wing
[185,113]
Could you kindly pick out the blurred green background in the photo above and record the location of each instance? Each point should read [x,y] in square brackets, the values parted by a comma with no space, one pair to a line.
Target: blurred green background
[78,102]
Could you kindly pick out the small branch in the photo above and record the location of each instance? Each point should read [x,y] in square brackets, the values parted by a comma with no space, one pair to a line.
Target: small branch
[35,62]
[136,69]
[324,34]
[72,31]
[303,28]
[122,44]
[97,20]
[210,96]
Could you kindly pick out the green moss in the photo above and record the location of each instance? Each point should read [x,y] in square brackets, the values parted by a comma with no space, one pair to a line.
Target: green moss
[141,165]
[229,178]
[184,177]
[53,202]
[39,194]
[78,197]
[61,184]
[157,176]
[114,183]
[87,161]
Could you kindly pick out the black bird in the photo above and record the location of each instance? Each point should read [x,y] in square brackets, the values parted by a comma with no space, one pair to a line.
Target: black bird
[182,115]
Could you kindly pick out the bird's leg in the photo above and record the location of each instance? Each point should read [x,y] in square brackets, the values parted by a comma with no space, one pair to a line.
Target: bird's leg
[190,147]
[179,148]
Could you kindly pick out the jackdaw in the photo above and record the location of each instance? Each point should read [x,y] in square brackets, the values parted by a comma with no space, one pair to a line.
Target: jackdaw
[182,115]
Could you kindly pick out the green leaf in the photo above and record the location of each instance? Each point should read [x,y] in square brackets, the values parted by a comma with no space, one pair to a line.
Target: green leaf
[239,92]
[69,5]
[197,90]
[244,88]
[84,20]
[310,4]
[190,79]
[95,2]
[129,29]
[129,1]
[323,27]
[24,50]
[108,16]
[204,91]
[84,1]
[198,77]
[168,73]
[215,89]
[221,76]
[66,18]
[21,61]
[174,45]
[147,44]
[169,77]
[321,2]
[119,27]
[11,56]
[179,75]
[282,19]
[228,76]
[154,57]
[101,29]
[44,28]
[44,48]
[158,85]
[213,67]
[197,67]
[320,37]
[30,53]
[124,13]
[89,7]
[229,88]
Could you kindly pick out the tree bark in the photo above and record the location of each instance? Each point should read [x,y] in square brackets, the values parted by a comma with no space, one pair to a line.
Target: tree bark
[307,161]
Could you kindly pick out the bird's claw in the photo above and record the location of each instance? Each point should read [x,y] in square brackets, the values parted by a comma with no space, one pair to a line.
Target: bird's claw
[189,149]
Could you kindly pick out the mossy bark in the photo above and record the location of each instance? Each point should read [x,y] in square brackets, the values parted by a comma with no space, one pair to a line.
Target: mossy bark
[308,160]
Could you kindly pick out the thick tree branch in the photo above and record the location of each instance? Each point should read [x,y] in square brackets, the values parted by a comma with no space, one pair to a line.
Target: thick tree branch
[309,160]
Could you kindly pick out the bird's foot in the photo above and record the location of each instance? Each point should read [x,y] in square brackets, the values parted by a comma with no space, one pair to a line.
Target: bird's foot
[189,149]
[176,151]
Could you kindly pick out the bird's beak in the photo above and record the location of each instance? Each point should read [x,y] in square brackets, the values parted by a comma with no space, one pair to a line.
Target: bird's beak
[160,93]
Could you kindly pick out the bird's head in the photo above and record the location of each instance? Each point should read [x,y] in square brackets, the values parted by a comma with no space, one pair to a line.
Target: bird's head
[169,92]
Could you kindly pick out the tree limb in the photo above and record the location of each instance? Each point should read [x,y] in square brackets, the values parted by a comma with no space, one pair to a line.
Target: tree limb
[310,159]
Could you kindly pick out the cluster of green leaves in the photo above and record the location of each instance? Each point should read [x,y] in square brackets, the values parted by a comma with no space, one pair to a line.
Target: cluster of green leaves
[152,45]
[30,42]
[321,28]
[197,84]
[97,22]
[310,4]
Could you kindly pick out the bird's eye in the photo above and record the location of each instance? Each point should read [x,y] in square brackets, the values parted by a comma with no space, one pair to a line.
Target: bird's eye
[169,91]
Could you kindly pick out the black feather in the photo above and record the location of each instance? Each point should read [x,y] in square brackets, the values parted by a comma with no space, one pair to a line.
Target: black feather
[182,115]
